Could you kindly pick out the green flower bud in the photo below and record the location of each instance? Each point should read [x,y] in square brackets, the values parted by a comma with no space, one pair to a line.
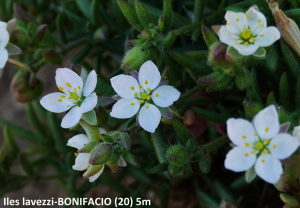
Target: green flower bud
[101,34]
[217,55]
[101,154]
[21,89]
[40,34]
[289,200]
[177,155]
[113,162]
[19,37]
[161,24]
[170,39]
[52,57]
[145,35]
[174,169]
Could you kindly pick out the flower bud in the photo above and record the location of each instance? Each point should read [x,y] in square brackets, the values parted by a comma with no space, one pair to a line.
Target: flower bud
[242,78]
[174,169]
[52,57]
[19,37]
[21,89]
[113,162]
[101,154]
[188,117]
[101,34]
[177,155]
[11,25]
[145,35]
[40,33]
[289,30]
[217,55]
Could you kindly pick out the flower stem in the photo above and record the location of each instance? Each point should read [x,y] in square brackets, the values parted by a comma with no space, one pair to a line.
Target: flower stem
[19,65]
[157,139]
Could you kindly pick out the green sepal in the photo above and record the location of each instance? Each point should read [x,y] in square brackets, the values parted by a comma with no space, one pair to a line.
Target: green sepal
[162,167]
[177,155]
[209,37]
[19,37]
[250,175]
[183,133]
[225,83]
[101,154]
[191,145]
[93,169]
[88,147]
[167,15]
[11,25]
[12,49]
[242,78]
[130,14]
[90,117]
[130,159]
[26,165]
[107,139]
[142,14]
[260,53]
[174,169]
[233,55]
[113,162]
[125,140]
[92,131]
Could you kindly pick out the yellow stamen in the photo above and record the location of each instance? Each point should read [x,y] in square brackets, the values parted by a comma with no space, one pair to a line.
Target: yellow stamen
[61,88]
[247,15]
[76,154]
[132,88]
[59,100]
[227,23]
[251,40]
[148,97]
[146,82]
[263,161]
[140,86]
[132,104]
[244,137]
[229,34]
[149,89]
[267,141]
[79,87]
[68,84]
[266,151]
[267,129]
[88,167]
[255,134]
[274,146]
[147,106]
[75,90]
[156,95]
[237,20]
[141,101]
[262,25]
[246,154]
[236,42]
[247,144]
[62,96]
[252,151]
[261,35]
[258,21]
[68,105]
[246,43]
[69,97]
[78,99]
[135,94]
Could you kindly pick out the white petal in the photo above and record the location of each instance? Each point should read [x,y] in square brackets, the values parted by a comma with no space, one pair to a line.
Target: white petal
[296,133]
[122,162]
[3,25]
[240,159]
[236,22]
[125,85]
[56,102]
[149,74]
[78,141]
[283,145]
[4,37]
[125,108]
[71,118]
[227,37]
[241,132]
[90,83]
[82,161]
[89,103]
[94,177]
[165,96]
[245,50]
[256,20]
[3,57]
[267,36]
[266,122]
[149,117]
[268,168]
[68,80]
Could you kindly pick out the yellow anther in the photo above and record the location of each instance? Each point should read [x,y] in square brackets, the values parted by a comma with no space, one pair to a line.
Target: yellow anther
[140,86]
[261,35]
[247,15]
[149,89]
[62,96]
[148,97]
[263,161]
[147,106]
[69,97]
[76,154]
[236,42]
[79,87]
[258,21]
[59,100]
[237,19]
[144,96]
[135,94]
[262,25]
[247,144]
[267,141]
[156,95]
[259,145]
[266,151]
[61,88]
[246,154]
[267,129]
[228,23]
[141,101]
[274,146]
[78,99]
[252,151]
[146,82]
[132,88]
[246,43]
[88,167]
[244,137]
[229,34]
[255,134]
[75,90]
[68,105]
[68,84]
[275,37]
[251,40]
[132,104]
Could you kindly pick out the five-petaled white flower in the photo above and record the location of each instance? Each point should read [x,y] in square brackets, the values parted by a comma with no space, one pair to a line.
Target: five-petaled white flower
[82,159]
[74,95]
[143,92]
[4,37]
[260,144]
[246,32]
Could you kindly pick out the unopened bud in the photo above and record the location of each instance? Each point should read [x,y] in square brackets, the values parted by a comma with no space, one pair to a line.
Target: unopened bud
[188,117]
[217,55]
[174,169]
[52,57]
[11,25]
[40,33]
[177,155]
[101,34]
[101,154]
[145,35]
[289,30]
[19,37]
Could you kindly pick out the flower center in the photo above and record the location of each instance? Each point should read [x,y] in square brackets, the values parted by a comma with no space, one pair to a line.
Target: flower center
[259,146]
[144,96]
[246,34]
[74,96]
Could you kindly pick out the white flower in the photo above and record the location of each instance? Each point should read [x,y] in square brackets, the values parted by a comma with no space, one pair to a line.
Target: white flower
[74,95]
[143,92]
[82,159]
[259,144]
[246,32]
[296,133]
[4,37]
